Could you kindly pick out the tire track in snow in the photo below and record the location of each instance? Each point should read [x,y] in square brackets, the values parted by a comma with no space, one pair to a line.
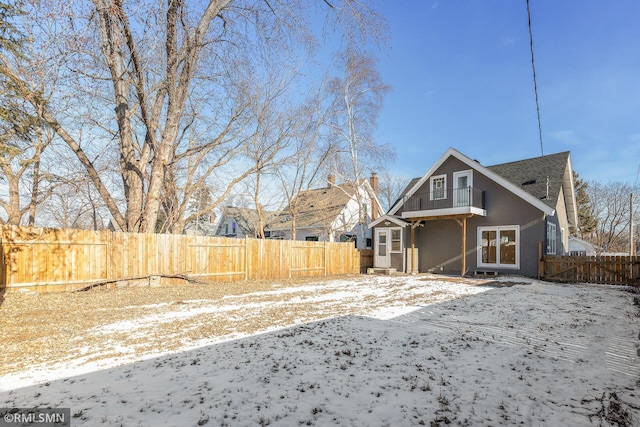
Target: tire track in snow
[617,353]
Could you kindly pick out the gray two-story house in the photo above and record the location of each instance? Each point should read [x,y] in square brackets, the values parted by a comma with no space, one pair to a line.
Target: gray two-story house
[462,217]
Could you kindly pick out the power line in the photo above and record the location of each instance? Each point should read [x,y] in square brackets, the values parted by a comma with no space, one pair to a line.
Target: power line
[535,83]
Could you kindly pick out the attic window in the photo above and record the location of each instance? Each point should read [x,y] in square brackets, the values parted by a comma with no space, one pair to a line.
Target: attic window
[438,187]
[530,182]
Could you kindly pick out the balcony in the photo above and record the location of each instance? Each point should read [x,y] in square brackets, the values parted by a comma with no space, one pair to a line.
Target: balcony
[456,201]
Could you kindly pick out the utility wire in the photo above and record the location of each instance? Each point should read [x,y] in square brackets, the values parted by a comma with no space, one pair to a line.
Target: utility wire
[535,84]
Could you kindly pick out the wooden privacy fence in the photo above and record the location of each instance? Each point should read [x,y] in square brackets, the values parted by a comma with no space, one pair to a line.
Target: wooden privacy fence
[614,270]
[52,260]
[366,259]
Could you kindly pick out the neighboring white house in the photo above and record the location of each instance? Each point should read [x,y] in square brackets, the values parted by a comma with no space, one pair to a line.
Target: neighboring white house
[579,247]
[337,212]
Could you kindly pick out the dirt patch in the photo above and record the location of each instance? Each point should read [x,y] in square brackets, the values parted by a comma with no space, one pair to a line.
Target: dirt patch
[36,328]
[83,327]
[499,284]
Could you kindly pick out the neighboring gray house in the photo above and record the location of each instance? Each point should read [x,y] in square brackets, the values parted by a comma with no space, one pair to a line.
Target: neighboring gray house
[241,222]
[204,225]
[463,217]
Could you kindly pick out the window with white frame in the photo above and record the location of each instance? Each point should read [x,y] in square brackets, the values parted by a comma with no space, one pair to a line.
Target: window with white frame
[438,187]
[551,238]
[499,247]
[396,240]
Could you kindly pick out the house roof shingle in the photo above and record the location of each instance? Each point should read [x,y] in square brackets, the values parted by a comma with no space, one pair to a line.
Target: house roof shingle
[527,176]
[247,219]
[315,208]
[531,175]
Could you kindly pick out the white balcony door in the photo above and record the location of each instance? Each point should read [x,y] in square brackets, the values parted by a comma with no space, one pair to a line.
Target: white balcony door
[462,188]
[382,259]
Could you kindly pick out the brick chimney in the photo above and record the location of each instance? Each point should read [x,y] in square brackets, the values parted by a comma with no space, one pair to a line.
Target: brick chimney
[374,186]
[331,180]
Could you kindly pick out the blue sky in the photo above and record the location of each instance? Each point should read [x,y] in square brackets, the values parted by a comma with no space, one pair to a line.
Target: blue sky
[461,77]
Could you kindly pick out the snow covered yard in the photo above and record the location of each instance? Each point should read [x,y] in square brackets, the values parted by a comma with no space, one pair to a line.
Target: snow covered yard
[362,351]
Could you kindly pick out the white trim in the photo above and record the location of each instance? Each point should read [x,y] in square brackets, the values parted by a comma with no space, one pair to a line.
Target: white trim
[498,264]
[374,198]
[432,191]
[386,258]
[392,219]
[448,211]
[456,190]
[552,239]
[481,169]
[573,219]
[391,230]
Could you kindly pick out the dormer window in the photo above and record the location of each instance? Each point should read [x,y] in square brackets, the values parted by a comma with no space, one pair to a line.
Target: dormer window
[438,185]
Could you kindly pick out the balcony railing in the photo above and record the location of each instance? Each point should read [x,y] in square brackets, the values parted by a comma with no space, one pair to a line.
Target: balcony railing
[452,198]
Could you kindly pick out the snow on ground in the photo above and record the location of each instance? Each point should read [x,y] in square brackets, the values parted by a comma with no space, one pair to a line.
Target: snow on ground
[518,353]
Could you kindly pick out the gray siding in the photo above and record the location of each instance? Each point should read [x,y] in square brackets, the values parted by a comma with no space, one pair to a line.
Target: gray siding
[396,261]
[440,241]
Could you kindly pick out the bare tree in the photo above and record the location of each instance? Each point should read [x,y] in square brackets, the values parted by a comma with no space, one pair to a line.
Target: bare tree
[611,207]
[390,189]
[20,168]
[276,121]
[357,96]
[301,169]
[23,137]
[135,71]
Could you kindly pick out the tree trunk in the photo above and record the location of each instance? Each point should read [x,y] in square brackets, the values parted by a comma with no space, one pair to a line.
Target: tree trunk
[13,206]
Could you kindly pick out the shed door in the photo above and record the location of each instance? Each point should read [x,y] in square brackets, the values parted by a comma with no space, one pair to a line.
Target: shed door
[382,258]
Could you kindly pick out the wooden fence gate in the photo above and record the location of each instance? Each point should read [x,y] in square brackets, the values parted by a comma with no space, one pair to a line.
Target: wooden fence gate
[613,270]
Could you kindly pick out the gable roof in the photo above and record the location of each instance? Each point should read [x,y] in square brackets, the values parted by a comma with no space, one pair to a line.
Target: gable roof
[508,174]
[409,186]
[320,207]
[543,177]
[390,219]
[247,219]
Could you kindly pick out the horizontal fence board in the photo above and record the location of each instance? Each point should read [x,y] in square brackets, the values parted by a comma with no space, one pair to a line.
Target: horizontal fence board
[50,260]
[615,270]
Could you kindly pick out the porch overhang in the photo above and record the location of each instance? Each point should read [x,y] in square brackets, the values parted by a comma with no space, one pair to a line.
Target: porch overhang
[462,211]
[459,215]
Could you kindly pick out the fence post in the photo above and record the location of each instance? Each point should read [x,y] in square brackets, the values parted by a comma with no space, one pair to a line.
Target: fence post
[540,261]
[290,257]
[246,258]
[326,255]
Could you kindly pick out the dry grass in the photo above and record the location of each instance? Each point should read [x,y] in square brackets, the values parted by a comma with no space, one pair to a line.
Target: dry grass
[48,329]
